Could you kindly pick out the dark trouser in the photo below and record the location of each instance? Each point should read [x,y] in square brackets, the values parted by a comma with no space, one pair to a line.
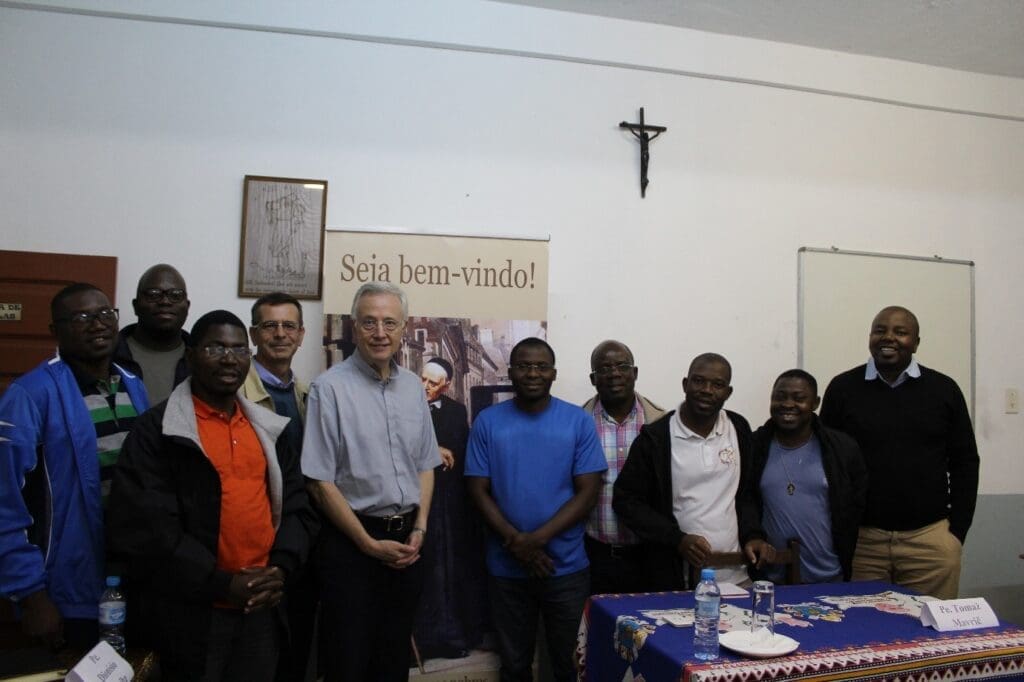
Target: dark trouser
[300,601]
[240,648]
[614,569]
[81,633]
[515,605]
[366,610]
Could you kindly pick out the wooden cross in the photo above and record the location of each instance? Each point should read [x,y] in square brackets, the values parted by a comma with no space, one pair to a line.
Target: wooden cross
[640,131]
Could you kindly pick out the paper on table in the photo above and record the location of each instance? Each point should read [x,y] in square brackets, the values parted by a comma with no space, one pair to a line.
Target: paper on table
[679,618]
[729,590]
[958,614]
[101,663]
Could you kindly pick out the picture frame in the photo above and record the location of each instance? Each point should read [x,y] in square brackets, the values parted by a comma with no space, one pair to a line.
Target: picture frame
[282,249]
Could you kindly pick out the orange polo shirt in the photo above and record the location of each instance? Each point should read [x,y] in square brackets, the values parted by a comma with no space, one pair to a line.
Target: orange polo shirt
[246,527]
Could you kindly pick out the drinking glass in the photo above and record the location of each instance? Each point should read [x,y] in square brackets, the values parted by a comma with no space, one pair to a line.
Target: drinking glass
[762,612]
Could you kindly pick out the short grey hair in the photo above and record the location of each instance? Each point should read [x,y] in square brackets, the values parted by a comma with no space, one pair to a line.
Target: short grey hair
[372,288]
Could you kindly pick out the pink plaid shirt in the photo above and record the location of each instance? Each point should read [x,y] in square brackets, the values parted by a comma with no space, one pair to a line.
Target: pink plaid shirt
[615,438]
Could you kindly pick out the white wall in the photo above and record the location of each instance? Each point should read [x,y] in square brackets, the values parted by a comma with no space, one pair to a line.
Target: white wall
[130,138]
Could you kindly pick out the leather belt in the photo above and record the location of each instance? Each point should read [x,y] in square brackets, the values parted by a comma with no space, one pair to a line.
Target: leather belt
[396,523]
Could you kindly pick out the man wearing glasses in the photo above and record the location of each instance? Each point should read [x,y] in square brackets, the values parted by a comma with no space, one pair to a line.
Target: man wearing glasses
[534,468]
[209,506]
[154,348]
[277,333]
[370,453]
[61,429]
[619,412]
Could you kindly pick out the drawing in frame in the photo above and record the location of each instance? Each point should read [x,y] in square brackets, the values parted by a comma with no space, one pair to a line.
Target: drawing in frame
[282,248]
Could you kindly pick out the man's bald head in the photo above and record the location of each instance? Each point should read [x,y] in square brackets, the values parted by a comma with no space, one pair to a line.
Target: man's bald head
[156,273]
[894,338]
[436,377]
[604,347]
[884,312]
[161,304]
[613,373]
[710,359]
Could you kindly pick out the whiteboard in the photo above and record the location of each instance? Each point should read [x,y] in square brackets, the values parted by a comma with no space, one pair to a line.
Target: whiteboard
[840,292]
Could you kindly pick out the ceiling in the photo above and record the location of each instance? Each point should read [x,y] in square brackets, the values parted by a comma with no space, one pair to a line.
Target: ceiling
[985,36]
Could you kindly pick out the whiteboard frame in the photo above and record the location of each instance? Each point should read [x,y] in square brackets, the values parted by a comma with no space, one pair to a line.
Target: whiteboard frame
[800,322]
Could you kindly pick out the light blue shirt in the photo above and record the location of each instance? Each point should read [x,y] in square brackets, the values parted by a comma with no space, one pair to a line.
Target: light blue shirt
[805,514]
[371,437]
[268,378]
[912,371]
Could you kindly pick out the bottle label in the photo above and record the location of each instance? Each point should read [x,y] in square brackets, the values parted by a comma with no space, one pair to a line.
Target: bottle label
[707,608]
[112,613]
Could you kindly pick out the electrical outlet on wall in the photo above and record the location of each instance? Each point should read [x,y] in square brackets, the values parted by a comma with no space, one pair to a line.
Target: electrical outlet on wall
[1012,401]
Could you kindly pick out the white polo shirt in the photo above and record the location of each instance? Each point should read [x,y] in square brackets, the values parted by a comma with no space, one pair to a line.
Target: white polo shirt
[705,477]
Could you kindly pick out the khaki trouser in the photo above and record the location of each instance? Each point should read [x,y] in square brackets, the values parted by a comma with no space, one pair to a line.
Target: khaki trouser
[926,559]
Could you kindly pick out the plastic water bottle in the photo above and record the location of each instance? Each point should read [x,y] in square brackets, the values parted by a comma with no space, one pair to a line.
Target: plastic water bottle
[112,613]
[705,617]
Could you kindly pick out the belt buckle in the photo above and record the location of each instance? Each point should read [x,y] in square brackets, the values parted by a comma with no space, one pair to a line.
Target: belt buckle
[394,524]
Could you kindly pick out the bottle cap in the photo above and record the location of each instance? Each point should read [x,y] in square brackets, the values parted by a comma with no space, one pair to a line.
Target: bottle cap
[707,574]
[113,581]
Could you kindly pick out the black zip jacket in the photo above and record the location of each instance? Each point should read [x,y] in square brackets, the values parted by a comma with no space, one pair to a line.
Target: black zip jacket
[642,499]
[847,488]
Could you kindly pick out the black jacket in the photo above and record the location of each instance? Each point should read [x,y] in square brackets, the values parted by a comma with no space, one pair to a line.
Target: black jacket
[451,426]
[642,499]
[164,519]
[847,488]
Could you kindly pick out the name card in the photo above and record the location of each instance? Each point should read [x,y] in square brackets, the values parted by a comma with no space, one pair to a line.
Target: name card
[958,614]
[102,664]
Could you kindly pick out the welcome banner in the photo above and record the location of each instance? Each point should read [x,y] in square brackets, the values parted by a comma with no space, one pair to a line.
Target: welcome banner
[444,276]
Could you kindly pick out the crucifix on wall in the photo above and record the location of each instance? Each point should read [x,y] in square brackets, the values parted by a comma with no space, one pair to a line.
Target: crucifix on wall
[642,132]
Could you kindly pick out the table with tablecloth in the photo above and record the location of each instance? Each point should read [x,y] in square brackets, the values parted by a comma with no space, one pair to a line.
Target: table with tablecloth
[861,630]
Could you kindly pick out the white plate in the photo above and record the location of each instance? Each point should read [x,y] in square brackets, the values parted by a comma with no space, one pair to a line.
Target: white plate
[739,641]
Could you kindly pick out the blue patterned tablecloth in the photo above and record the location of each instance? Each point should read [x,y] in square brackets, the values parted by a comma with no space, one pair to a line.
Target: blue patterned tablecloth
[865,630]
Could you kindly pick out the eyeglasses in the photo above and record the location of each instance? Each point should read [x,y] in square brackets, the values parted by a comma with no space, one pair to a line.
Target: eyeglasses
[608,370]
[369,324]
[525,367]
[218,352]
[107,317]
[272,326]
[157,295]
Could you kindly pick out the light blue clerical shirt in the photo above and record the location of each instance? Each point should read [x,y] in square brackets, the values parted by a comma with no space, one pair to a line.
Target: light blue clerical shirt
[371,437]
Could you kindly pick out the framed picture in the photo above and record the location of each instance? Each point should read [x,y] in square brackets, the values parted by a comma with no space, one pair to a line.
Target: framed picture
[282,236]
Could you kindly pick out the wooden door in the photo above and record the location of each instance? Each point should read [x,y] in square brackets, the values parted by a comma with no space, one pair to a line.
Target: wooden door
[28,280]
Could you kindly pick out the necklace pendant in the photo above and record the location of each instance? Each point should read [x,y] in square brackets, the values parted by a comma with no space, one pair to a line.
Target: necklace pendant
[790,488]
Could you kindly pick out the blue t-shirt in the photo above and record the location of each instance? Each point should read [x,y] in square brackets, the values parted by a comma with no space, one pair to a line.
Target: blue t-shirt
[531,460]
[804,514]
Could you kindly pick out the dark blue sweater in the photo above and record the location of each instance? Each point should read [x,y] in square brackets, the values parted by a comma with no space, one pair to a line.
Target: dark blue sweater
[286,406]
[918,445]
